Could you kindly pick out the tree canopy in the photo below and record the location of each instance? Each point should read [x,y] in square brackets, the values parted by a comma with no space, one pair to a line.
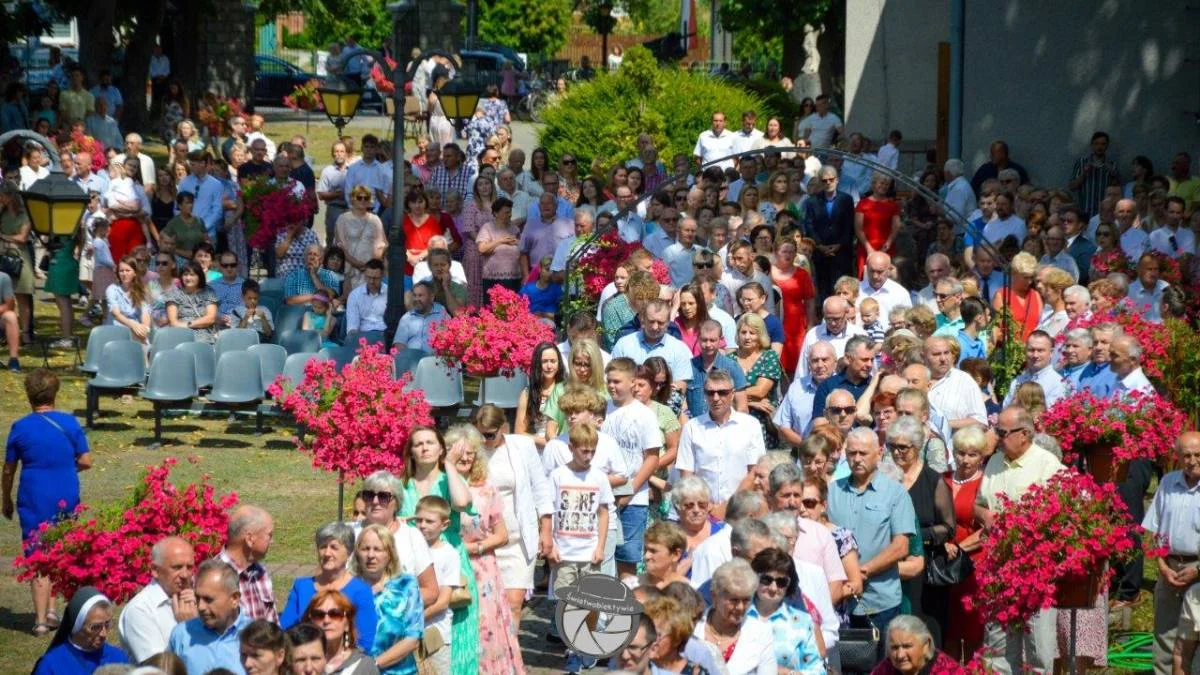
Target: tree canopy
[530,26]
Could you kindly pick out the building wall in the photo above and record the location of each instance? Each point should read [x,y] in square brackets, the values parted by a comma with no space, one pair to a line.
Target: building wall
[225,62]
[891,66]
[1041,75]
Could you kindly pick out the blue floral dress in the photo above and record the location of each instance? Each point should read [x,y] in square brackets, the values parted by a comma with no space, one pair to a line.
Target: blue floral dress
[795,639]
[401,615]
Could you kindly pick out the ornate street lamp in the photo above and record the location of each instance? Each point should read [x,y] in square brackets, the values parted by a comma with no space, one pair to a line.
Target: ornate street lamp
[54,204]
[459,99]
[340,99]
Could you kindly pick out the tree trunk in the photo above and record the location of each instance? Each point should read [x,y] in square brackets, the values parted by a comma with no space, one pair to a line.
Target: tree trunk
[148,23]
[96,40]
[831,43]
[793,51]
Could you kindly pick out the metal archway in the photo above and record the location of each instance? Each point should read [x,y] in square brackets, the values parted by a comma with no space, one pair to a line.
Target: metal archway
[896,176]
[51,148]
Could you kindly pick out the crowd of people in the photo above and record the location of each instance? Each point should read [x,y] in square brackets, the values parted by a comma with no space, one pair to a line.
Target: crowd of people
[771,447]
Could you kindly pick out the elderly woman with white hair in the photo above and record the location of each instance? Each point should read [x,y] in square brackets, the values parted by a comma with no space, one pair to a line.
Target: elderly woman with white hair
[746,646]
[383,493]
[931,501]
[910,650]
[964,628]
[692,501]
[335,545]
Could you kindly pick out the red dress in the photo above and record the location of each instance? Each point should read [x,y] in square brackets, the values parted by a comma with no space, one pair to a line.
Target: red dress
[416,238]
[877,225]
[964,628]
[1027,311]
[797,290]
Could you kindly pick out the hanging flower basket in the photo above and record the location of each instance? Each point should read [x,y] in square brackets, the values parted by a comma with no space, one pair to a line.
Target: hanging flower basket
[1078,591]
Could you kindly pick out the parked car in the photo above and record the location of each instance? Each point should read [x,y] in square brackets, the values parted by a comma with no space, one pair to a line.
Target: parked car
[275,78]
[483,66]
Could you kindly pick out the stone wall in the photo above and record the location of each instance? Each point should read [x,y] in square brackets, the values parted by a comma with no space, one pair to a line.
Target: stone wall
[225,41]
[431,24]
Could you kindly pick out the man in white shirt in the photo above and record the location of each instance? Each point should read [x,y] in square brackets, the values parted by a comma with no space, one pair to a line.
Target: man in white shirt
[1005,223]
[1146,292]
[1056,252]
[1039,368]
[937,267]
[366,304]
[742,270]
[507,187]
[723,445]
[879,285]
[1125,359]
[1134,239]
[856,178]
[715,143]
[635,428]
[1172,239]
[959,196]
[747,138]
[835,329]
[678,256]
[147,620]
[822,127]
[718,549]
[585,222]
[889,153]
[952,391]
[133,148]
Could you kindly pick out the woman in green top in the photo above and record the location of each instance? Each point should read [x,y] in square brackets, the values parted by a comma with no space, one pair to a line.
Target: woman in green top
[537,409]
[763,372]
[429,469]
[187,228]
[62,281]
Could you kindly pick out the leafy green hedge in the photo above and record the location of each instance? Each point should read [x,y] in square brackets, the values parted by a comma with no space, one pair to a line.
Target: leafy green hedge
[602,119]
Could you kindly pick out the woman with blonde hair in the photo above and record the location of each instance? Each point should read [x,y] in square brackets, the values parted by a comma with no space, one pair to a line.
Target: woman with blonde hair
[763,371]
[1052,283]
[1019,297]
[397,601]
[186,132]
[483,532]
[587,366]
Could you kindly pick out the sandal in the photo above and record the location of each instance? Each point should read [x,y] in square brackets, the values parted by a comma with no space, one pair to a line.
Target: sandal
[52,620]
[41,630]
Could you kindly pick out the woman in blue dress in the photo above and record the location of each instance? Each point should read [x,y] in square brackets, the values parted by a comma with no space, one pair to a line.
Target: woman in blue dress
[397,602]
[335,544]
[50,448]
[81,644]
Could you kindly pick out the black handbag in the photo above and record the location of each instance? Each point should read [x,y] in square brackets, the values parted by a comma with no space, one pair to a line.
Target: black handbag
[940,570]
[858,647]
[11,263]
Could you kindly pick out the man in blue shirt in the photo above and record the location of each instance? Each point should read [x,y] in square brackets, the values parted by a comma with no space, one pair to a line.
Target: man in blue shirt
[1077,355]
[880,513]
[210,640]
[975,318]
[228,289]
[794,415]
[860,357]
[652,340]
[208,191]
[412,332]
[711,357]
[1098,377]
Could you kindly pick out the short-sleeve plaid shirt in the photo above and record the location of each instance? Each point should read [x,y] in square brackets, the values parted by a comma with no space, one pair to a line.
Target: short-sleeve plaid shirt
[258,595]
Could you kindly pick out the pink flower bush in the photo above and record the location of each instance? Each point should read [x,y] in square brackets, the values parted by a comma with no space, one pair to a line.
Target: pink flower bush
[485,341]
[1154,338]
[270,208]
[1138,426]
[598,266]
[360,418]
[1108,262]
[110,548]
[1068,528]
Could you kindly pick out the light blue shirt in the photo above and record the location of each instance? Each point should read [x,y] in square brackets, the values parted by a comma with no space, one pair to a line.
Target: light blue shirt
[1073,374]
[632,227]
[1172,514]
[413,329]
[208,201]
[670,348]
[971,347]
[229,294]
[93,183]
[679,262]
[364,312]
[533,214]
[795,411]
[373,175]
[1099,379]
[795,638]
[696,403]
[875,515]
[1052,383]
[202,650]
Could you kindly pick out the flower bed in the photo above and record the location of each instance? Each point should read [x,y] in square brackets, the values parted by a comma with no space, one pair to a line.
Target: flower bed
[110,548]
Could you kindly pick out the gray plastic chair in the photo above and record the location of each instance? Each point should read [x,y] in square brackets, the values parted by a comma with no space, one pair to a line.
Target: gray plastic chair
[169,338]
[172,383]
[100,336]
[373,337]
[235,340]
[293,367]
[271,286]
[406,360]
[300,341]
[502,392]
[273,358]
[339,355]
[442,386]
[206,362]
[122,367]
[289,319]
[239,382]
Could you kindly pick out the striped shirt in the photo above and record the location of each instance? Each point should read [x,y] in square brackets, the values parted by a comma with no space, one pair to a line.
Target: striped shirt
[1092,190]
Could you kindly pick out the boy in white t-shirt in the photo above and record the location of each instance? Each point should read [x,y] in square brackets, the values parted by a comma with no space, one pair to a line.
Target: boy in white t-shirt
[432,518]
[579,524]
[635,428]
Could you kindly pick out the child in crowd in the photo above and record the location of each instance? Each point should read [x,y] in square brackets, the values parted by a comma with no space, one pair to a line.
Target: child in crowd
[320,318]
[254,316]
[868,313]
[87,260]
[847,287]
[360,508]
[542,292]
[432,518]
[579,524]
[105,271]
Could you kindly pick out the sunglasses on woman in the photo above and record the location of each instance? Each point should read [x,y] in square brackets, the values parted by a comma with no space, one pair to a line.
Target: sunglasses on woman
[319,614]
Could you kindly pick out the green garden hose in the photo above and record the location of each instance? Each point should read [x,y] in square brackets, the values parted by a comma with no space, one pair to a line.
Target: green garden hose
[1131,652]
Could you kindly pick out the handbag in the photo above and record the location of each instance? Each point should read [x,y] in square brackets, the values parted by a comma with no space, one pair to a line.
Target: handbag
[858,647]
[940,570]
[461,595]
[11,263]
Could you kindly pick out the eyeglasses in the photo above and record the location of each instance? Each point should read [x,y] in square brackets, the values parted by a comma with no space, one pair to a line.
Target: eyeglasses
[901,448]
[1002,433]
[162,261]
[942,296]
[489,435]
[720,393]
[371,495]
[842,410]
[688,506]
[361,198]
[703,265]
[98,627]
[772,580]
[567,161]
[810,503]
[229,265]
[335,613]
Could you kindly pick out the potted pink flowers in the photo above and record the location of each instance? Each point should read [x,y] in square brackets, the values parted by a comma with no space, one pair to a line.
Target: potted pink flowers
[1052,548]
[1109,433]
[494,340]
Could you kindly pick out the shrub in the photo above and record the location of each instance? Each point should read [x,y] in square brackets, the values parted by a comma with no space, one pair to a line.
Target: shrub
[599,121]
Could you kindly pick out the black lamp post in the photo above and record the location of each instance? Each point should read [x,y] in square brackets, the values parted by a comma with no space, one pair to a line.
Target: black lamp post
[605,25]
[340,99]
